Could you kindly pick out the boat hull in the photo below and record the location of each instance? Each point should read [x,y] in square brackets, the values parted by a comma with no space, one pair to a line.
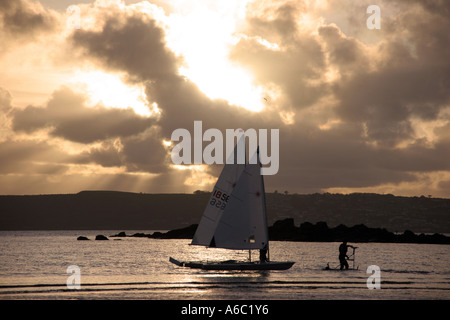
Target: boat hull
[236,265]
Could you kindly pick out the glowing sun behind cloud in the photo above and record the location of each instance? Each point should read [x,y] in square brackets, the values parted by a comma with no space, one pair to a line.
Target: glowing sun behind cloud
[203,35]
[111,91]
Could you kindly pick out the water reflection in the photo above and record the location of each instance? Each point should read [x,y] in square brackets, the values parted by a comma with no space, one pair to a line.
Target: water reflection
[140,268]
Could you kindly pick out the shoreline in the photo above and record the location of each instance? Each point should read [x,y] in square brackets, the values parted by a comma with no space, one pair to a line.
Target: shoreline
[285,230]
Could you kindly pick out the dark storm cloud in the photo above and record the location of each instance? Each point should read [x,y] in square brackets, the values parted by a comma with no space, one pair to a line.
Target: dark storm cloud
[347,54]
[144,152]
[298,61]
[31,157]
[107,155]
[135,44]
[312,160]
[410,76]
[139,153]
[439,7]
[5,100]
[379,92]
[127,139]
[182,103]
[291,69]
[276,21]
[25,18]
[67,115]
[374,104]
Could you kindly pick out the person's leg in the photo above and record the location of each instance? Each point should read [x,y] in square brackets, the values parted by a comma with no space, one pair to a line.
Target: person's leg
[342,262]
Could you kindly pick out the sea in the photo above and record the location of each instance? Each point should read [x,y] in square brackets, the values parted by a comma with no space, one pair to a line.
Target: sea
[54,265]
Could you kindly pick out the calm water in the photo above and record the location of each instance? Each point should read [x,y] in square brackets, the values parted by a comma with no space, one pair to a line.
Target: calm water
[33,265]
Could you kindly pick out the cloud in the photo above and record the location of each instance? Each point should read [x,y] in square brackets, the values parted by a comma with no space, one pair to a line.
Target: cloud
[380,86]
[23,18]
[294,62]
[140,153]
[372,100]
[375,96]
[20,157]
[409,82]
[133,43]
[346,54]
[68,116]
[117,137]
[5,100]
[353,114]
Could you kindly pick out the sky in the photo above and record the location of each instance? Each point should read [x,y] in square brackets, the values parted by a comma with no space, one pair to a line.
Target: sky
[91,91]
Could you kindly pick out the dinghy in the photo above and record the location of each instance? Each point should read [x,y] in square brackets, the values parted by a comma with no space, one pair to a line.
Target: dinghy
[235,218]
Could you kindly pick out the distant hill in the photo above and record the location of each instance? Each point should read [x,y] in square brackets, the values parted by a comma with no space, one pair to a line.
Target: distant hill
[418,214]
[111,210]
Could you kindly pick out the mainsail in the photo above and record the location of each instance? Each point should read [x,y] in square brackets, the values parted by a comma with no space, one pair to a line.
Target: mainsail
[219,199]
[241,223]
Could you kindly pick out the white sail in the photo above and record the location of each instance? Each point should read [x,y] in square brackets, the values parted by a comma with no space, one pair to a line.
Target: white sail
[243,224]
[219,199]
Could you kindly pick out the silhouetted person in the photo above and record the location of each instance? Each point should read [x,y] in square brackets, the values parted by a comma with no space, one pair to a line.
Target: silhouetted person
[263,255]
[343,254]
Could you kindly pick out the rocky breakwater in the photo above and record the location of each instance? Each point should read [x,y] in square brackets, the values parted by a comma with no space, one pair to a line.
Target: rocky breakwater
[285,230]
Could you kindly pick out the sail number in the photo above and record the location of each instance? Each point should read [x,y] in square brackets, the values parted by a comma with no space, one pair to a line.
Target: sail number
[219,199]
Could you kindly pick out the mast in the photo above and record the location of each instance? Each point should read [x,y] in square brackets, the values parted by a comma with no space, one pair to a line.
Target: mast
[264,207]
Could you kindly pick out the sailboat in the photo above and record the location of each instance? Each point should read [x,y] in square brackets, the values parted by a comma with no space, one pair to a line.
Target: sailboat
[235,219]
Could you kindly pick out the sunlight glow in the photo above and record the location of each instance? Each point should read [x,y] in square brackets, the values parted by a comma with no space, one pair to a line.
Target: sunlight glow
[198,178]
[167,143]
[194,167]
[329,124]
[111,91]
[426,130]
[288,117]
[203,35]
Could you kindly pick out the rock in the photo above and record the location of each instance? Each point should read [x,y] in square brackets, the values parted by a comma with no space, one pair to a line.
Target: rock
[101,237]
[156,234]
[183,233]
[140,235]
[120,234]
[285,230]
[82,238]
